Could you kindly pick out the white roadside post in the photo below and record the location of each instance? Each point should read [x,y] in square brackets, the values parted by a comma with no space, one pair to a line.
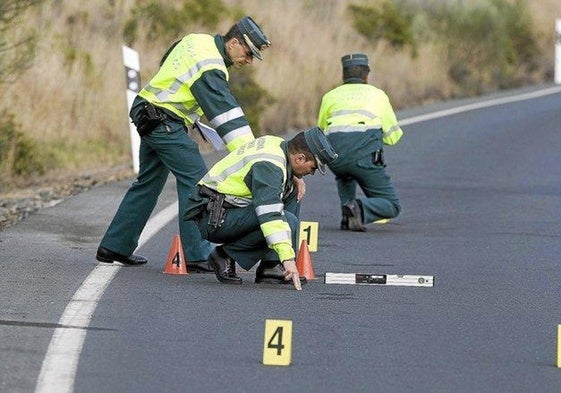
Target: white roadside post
[131,60]
[558,51]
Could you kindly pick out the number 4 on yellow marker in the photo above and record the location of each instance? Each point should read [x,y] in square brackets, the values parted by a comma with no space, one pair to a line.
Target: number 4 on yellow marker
[277,344]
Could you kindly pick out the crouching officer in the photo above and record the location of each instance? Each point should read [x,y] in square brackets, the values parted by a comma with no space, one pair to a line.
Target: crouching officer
[247,202]
[359,120]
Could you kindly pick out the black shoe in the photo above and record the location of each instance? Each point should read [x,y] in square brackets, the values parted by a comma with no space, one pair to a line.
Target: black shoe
[224,267]
[344,223]
[108,256]
[273,273]
[353,212]
[199,267]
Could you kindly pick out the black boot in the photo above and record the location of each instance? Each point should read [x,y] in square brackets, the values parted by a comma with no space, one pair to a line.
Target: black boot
[108,256]
[199,267]
[224,266]
[344,223]
[272,272]
[353,211]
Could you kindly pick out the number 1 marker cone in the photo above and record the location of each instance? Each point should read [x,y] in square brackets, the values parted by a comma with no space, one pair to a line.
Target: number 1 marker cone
[304,262]
[176,259]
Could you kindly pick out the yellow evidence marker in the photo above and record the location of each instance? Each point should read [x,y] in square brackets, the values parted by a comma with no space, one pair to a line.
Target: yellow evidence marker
[309,232]
[277,343]
[558,346]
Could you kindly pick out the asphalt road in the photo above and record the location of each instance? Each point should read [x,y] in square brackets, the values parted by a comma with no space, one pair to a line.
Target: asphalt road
[480,187]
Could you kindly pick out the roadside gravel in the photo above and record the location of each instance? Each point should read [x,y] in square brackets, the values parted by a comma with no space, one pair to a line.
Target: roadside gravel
[18,204]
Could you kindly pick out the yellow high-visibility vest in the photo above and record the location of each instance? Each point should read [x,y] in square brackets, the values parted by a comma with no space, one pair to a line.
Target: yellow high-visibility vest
[170,88]
[356,107]
[227,177]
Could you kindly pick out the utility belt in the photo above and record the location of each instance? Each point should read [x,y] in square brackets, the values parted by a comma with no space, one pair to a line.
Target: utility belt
[216,206]
[148,118]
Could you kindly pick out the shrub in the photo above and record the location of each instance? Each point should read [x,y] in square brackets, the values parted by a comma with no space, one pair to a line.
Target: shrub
[19,155]
[487,46]
[390,21]
[167,23]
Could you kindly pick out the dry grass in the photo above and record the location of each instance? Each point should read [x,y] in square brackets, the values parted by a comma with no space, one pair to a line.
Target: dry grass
[73,98]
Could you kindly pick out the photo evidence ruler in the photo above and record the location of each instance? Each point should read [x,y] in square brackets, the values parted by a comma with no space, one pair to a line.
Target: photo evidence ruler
[379,279]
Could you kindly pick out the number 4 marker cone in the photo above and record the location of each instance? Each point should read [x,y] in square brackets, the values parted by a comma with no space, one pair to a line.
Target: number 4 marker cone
[176,259]
[304,262]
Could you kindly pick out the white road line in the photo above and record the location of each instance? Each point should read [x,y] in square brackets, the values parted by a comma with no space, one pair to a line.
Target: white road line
[58,370]
[479,105]
[61,360]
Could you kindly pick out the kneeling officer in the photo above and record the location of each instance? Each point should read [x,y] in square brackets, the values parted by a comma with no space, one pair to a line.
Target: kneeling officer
[247,202]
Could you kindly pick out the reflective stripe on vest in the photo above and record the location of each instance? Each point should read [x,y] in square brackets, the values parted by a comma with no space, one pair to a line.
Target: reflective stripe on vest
[359,107]
[225,117]
[362,112]
[278,237]
[392,135]
[274,208]
[244,133]
[227,175]
[357,128]
[191,114]
[193,55]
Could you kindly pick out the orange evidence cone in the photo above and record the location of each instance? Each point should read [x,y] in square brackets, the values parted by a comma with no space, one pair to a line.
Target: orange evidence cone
[176,259]
[304,262]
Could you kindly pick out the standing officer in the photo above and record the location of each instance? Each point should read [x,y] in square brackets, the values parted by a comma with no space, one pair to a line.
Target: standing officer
[192,81]
[248,203]
[358,120]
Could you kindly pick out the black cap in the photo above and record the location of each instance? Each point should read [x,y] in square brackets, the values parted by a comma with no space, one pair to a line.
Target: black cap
[354,59]
[320,148]
[254,37]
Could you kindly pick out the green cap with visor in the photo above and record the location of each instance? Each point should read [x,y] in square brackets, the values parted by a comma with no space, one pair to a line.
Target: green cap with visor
[254,37]
[320,148]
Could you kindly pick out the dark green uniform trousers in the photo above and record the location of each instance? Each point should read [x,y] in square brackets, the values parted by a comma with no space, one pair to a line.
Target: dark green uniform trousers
[167,149]
[241,235]
[355,167]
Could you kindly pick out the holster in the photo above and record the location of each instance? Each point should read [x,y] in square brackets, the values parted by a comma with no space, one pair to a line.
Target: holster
[148,118]
[216,206]
[378,158]
[216,210]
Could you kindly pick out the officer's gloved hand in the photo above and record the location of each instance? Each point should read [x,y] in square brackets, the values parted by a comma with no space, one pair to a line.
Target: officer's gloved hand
[291,273]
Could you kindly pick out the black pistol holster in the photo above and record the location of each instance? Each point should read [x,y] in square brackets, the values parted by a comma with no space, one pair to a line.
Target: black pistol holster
[216,210]
[378,158]
[148,118]
[216,206]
